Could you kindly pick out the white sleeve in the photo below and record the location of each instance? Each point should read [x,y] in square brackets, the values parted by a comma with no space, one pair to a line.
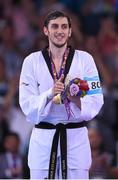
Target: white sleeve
[34,105]
[93,101]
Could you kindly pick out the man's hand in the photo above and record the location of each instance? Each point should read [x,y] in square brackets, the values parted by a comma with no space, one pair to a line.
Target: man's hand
[58,86]
[76,100]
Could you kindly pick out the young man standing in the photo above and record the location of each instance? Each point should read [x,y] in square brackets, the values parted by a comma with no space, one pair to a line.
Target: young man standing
[59,146]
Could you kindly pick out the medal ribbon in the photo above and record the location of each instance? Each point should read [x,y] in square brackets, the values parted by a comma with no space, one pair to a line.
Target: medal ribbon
[56,76]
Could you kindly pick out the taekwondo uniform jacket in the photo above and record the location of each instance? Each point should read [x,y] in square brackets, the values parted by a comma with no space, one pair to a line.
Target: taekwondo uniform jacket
[36,82]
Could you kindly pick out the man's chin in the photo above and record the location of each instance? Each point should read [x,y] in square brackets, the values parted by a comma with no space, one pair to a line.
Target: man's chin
[60,45]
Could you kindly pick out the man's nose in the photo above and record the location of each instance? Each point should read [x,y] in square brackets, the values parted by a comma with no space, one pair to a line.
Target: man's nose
[59,30]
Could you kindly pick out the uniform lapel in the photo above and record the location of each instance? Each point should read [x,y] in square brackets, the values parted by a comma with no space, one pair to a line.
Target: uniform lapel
[68,62]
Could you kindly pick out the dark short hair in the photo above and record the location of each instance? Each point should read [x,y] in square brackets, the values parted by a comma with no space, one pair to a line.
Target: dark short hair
[54,15]
[13,134]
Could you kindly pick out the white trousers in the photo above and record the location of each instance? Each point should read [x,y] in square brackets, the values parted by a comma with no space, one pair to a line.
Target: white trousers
[78,156]
[72,174]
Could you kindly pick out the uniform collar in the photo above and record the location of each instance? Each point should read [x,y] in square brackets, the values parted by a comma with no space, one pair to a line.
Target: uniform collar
[68,62]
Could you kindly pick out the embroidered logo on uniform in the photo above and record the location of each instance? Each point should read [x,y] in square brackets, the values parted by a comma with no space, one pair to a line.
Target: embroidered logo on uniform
[38,84]
[26,84]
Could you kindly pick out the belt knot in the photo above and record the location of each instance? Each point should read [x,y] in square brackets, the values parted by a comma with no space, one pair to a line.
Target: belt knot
[60,126]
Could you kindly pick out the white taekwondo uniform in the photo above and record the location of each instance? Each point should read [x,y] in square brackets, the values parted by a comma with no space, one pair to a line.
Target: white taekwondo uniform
[36,84]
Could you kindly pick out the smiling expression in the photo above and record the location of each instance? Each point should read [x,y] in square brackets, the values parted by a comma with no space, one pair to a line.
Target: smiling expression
[58,31]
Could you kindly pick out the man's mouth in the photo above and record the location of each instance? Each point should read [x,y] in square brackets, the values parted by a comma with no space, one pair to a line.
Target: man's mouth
[59,37]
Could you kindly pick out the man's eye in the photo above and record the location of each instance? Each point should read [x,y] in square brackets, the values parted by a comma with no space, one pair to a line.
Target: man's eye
[54,26]
[64,26]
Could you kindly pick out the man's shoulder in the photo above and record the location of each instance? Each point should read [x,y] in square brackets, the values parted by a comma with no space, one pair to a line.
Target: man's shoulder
[33,54]
[84,56]
[82,52]
[33,57]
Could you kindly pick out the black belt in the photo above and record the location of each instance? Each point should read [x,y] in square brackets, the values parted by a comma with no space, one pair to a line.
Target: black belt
[60,132]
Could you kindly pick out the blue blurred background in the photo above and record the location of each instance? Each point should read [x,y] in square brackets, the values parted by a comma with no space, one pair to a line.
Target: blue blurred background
[95,30]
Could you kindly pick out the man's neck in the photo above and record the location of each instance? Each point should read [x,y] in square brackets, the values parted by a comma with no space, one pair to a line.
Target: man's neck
[57,53]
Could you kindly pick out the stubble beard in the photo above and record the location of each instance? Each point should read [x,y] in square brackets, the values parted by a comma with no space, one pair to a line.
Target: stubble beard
[60,45]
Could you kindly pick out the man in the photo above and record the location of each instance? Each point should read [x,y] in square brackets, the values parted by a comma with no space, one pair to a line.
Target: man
[43,77]
[11,160]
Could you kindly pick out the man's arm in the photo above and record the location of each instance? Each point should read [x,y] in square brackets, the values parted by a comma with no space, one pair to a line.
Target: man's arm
[88,107]
[33,103]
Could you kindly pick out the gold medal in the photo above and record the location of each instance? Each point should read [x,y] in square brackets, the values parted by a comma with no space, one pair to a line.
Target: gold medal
[57,99]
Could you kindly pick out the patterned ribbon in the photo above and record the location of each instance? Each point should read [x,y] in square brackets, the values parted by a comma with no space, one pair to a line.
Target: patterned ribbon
[56,76]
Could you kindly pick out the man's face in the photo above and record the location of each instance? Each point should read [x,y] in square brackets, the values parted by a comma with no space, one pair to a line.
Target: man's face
[58,31]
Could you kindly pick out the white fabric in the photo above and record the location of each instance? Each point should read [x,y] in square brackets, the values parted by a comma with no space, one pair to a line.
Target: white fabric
[79,155]
[72,173]
[33,97]
[36,85]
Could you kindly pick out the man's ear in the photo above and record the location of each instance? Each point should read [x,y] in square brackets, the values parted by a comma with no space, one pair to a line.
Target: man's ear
[45,30]
[70,32]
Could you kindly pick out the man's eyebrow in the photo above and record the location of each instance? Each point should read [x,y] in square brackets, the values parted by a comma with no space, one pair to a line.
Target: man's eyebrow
[65,24]
[59,24]
[54,24]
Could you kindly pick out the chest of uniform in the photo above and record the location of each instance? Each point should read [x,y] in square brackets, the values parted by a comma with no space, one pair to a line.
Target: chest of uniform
[44,78]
